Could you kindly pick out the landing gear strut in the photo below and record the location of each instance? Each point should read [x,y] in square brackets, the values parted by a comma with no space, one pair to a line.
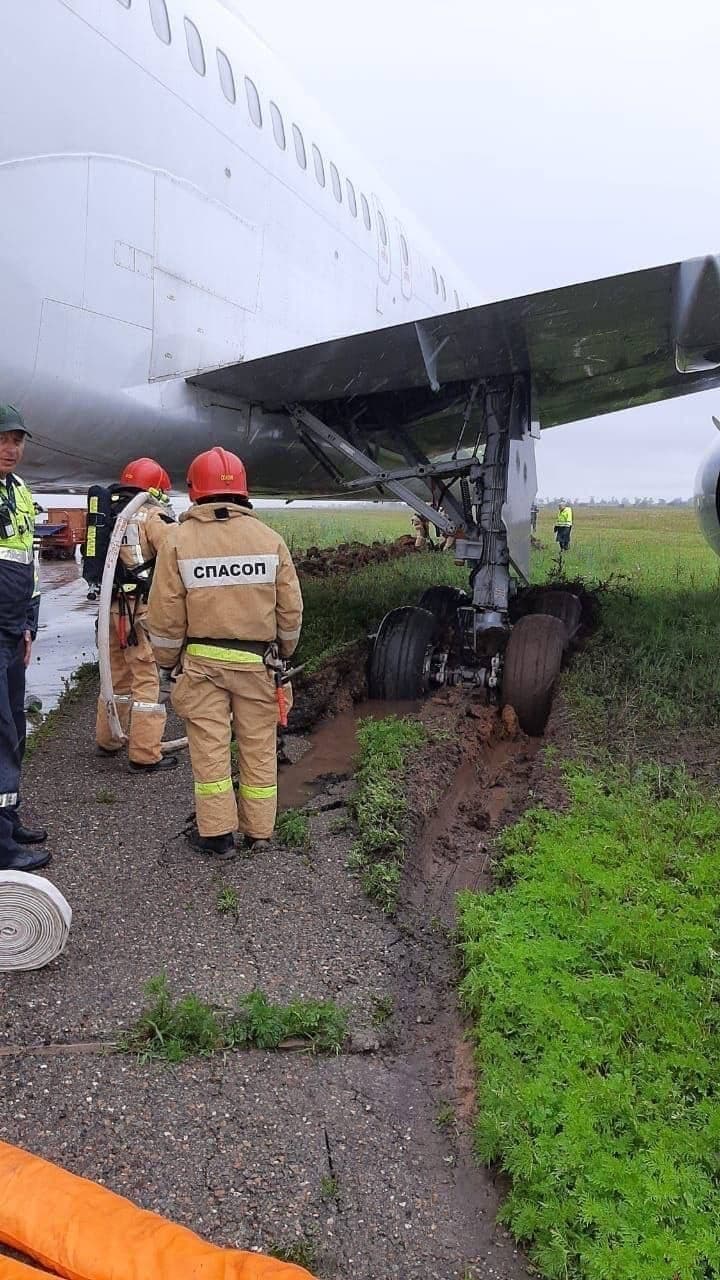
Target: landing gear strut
[451,637]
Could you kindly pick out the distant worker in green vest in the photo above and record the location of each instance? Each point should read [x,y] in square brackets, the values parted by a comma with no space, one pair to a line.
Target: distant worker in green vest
[563,525]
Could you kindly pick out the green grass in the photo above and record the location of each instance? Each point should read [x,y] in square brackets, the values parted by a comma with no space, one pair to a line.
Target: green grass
[293,829]
[379,804]
[228,901]
[592,980]
[652,664]
[326,527]
[303,1252]
[175,1029]
[591,974]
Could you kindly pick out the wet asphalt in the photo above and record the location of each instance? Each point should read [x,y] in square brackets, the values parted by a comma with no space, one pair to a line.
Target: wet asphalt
[235,1146]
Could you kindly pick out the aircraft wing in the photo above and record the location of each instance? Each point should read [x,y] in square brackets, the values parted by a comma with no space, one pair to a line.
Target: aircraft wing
[589,349]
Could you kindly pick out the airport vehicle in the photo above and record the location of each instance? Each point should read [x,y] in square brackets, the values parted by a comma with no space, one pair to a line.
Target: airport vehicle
[192,254]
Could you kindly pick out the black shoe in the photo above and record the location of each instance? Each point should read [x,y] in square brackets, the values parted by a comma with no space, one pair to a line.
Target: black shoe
[219,846]
[29,835]
[24,860]
[256,843]
[165,762]
[107,751]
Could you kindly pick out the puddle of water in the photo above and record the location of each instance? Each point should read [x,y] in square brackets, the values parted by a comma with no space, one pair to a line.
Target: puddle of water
[66,635]
[332,750]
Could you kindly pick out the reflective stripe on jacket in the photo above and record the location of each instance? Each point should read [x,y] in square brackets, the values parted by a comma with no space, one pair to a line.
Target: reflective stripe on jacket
[564,516]
[17,561]
[223,575]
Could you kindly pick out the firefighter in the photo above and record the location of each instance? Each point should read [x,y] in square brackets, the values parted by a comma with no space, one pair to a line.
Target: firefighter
[17,621]
[135,676]
[226,598]
[563,525]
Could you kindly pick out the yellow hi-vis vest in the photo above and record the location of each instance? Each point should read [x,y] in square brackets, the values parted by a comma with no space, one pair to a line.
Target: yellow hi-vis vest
[564,516]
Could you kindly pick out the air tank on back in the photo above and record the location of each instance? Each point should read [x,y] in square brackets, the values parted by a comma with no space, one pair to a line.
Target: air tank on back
[707,494]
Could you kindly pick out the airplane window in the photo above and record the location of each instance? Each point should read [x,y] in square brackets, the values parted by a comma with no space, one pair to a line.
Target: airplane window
[253,101]
[160,20]
[435,280]
[227,79]
[300,151]
[196,53]
[457,300]
[383,228]
[366,211]
[127,3]
[443,290]
[278,126]
[352,200]
[319,166]
[335,178]
[404,251]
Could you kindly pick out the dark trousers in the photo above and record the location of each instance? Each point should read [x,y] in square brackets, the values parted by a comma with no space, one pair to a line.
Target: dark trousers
[12,737]
[562,533]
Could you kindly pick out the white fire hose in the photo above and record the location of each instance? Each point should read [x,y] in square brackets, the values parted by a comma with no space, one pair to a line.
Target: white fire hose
[34,921]
[106,589]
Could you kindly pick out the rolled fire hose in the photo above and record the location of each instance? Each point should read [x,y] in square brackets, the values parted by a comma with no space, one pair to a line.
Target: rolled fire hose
[34,921]
[106,589]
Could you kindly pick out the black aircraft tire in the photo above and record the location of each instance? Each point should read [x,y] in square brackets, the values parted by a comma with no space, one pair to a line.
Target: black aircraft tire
[443,602]
[400,660]
[533,658]
[560,604]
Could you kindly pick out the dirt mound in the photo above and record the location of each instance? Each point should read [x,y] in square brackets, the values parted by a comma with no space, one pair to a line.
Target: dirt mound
[322,562]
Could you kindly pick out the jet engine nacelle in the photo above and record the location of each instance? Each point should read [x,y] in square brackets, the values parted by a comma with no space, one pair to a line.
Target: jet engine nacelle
[707,495]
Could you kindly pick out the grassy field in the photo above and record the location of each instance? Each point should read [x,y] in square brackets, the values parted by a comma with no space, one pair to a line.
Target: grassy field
[323,527]
[591,974]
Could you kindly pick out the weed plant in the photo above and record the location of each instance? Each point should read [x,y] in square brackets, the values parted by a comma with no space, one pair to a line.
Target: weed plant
[592,980]
[379,804]
[293,829]
[176,1029]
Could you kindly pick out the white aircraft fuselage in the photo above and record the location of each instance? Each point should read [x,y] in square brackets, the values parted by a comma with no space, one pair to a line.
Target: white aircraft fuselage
[171,207]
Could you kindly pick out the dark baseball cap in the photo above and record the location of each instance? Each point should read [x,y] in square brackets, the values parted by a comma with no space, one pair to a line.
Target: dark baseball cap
[11,419]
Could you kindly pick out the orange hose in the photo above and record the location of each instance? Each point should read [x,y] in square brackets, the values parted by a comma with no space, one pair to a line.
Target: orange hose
[12,1270]
[84,1232]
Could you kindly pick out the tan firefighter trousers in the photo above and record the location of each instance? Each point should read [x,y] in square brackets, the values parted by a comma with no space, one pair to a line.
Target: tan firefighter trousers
[213,698]
[137,688]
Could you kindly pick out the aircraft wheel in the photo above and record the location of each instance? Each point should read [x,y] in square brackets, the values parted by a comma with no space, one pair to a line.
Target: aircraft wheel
[533,658]
[443,602]
[401,656]
[560,604]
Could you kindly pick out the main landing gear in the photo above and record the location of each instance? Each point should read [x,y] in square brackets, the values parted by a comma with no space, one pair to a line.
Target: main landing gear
[453,637]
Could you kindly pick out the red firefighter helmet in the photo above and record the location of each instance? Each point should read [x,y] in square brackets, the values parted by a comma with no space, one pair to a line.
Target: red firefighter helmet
[145,473]
[216,472]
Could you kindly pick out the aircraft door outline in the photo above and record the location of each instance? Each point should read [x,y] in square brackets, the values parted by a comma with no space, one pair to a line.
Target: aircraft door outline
[382,235]
[405,261]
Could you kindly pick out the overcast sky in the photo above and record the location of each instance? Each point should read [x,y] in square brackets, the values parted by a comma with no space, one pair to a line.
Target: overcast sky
[543,142]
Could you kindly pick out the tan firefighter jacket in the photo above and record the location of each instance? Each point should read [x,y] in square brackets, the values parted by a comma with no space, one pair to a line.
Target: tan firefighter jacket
[145,533]
[223,579]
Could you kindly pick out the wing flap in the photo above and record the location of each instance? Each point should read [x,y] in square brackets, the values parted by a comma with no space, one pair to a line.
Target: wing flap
[589,349]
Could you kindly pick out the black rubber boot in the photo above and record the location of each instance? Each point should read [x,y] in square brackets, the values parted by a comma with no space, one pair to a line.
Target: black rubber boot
[26,860]
[217,846]
[29,835]
[256,843]
[165,762]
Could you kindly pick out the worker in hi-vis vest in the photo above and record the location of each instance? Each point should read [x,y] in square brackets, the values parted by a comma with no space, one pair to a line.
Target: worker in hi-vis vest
[563,525]
[18,623]
[226,601]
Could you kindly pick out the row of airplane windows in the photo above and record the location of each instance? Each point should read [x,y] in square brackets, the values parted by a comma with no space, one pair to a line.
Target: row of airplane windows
[196,53]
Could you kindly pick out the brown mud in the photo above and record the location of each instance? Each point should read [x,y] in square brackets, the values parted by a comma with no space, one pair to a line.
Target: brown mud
[347,557]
